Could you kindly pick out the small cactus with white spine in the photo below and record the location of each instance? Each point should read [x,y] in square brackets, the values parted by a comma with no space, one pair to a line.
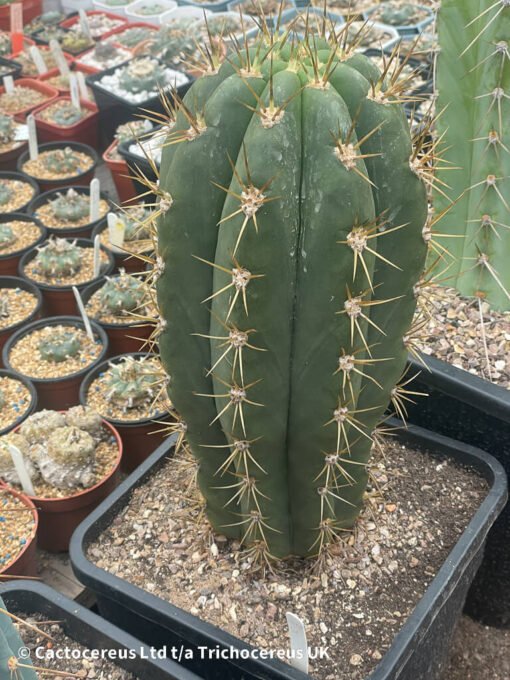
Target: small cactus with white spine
[7,235]
[131,383]
[61,345]
[58,257]
[122,294]
[71,206]
[62,162]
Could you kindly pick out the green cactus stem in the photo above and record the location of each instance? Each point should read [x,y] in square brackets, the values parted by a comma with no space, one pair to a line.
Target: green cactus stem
[122,294]
[7,129]
[63,162]
[473,83]
[7,235]
[76,42]
[71,206]
[58,257]
[11,665]
[289,244]
[131,383]
[60,346]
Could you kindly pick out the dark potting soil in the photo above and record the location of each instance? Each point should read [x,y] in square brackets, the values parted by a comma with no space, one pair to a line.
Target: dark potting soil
[479,653]
[416,508]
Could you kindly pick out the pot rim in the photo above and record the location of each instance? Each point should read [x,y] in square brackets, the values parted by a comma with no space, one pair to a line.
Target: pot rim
[26,500]
[20,177]
[23,217]
[48,146]
[7,373]
[30,288]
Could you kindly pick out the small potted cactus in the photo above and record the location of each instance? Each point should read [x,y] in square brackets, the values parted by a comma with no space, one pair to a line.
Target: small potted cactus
[103,56]
[137,242]
[129,392]
[132,35]
[54,354]
[60,164]
[174,44]
[67,213]
[28,66]
[60,120]
[116,163]
[122,305]
[18,528]
[45,20]
[20,304]
[44,35]
[76,42]
[11,142]
[16,192]
[406,17]
[60,264]
[18,234]
[101,24]
[18,400]
[26,95]
[152,11]
[72,459]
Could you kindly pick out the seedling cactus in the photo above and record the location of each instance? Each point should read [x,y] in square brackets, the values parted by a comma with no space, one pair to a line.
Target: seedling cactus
[121,294]
[5,194]
[142,75]
[11,665]
[63,162]
[7,235]
[473,82]
[62,345]
[131,383]
[58,257]
[71,206]
[7,129]
[66,114]
[289,244]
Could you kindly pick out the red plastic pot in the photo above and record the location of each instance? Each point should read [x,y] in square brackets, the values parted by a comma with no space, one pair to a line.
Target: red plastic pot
[9,263]
[73,20]
[31,9]
[82,179]
[57,393]
[14,282]
[43,49]
[140,437]
[50,92]
[25,563]
[59,517]
[84,131]
[134,24]
[120,174]
[60,300]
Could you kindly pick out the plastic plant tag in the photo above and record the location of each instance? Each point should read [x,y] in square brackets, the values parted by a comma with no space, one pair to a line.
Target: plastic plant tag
[83,313]
[97,256]
[21,134]
[33,148]
[298,643]
[74,91]
[21,468]
[95,195]
[62,64]
[16,19]
[38,60]
[82,86]
[8,84]
[116,230]
[84,24]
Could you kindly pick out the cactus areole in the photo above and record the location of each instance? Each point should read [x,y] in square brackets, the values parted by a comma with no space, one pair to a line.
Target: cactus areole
[289,244]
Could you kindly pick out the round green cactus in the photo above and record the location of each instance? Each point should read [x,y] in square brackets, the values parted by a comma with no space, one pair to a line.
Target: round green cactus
[121,294]
[142,75]
[5,193]
[66,114]
[7,235]
[7,129]
[71,206]
[64,162]
[62,345]
[131,383]
[58,257]
[289,244]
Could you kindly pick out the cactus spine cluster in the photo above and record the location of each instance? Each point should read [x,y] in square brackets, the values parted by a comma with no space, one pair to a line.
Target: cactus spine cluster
[12,666]
[473,82]
[58,257]
[289,243]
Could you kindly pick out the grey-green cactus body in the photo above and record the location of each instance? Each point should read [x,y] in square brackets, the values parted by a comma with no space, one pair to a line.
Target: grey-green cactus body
[284,278]
[7,235]
[473,82]
[122,294]
[71,206]
[58,257]
[61,345]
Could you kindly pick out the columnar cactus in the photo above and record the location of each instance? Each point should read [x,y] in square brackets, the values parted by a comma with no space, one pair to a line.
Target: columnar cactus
[58,257]
[12,665]
[289,242]
[473,82]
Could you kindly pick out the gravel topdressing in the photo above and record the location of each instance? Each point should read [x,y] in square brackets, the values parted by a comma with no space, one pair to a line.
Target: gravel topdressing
[46,215]
[21,98]
[20,194]
[83,275]
[17,401]
[17,525]
[20,305]
[26,233]
[39,170]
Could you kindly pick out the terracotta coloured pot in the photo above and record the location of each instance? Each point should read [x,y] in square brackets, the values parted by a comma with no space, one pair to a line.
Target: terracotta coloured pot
[57,393]
[50,92]
[59,517]
[120,174]
[83,179]
[140,437]
[60,300]
[9,263]
[84,131]
[14,282]
[25,564]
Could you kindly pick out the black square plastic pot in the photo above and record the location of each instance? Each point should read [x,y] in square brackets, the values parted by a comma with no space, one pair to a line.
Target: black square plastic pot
[114,111]
[12,68]
[419,650]
[89,630]
[472,410]
[137,164]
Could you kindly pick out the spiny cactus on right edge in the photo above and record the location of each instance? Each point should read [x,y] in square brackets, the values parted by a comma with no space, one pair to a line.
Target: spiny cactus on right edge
[473,83]
[290,241]
[11,665]
[58,257]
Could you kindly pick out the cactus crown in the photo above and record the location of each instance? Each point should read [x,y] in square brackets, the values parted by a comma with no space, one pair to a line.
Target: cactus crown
[473,82]
[131,383]
[7,235]
[7,129]
[62,344]
[75,41]
[141,75]
[122,294]
[58,257]
[66,114]
[62,161]
[283,327]
[397,13]
[5,193]
[71,206]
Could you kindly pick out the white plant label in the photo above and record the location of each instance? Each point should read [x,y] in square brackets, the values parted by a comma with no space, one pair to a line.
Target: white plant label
[95,196]
[82,86]
[16,18]
[81,307]
[97,256]
[33,147]
[9,84]
[57,53]
[116,230]
[75,92]
[84,24]
[21,134]
[38,60]
[20,466]
[298,643]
